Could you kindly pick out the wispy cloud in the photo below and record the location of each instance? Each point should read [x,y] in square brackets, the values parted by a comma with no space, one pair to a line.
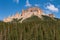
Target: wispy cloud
[37,5]
[51,0]
[17,1]
[52,8]
[28,4]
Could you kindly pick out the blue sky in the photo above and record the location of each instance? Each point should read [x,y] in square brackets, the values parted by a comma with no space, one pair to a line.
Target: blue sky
[10,7]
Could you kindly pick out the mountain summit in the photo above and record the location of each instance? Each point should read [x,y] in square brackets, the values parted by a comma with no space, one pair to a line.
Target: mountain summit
[26,14]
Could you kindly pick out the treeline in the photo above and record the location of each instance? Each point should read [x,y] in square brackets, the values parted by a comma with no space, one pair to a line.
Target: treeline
[34,30]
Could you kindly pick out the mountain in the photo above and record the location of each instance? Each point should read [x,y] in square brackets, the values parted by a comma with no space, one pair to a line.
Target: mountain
[30,27]
[27,14]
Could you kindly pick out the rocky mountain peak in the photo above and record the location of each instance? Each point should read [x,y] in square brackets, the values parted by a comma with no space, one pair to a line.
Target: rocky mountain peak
[26,14]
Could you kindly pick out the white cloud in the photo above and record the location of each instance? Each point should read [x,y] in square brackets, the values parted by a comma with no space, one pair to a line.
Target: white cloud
[17,1]
[36,5]
[27,3]
[52,8]
[51,0]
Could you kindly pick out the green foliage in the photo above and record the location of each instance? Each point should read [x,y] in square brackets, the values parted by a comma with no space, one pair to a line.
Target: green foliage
[31,29]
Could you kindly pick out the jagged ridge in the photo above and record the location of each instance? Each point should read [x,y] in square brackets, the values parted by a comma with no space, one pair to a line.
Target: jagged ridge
[27,14]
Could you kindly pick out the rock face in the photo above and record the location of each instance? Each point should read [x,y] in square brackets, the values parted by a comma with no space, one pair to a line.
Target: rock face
[26,14]
[51,15]
[10,18]
[31,11]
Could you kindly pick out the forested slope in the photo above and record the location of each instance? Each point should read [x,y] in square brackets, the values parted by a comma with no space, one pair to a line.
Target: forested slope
[32,28]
